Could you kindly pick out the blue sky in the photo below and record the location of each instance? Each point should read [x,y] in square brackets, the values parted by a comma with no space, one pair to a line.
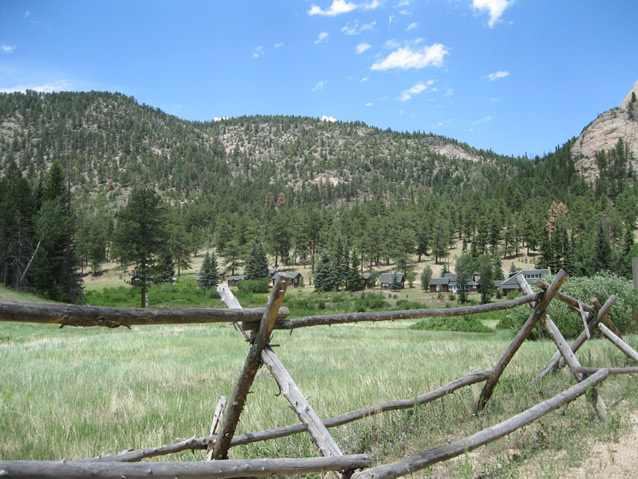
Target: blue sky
[515,76]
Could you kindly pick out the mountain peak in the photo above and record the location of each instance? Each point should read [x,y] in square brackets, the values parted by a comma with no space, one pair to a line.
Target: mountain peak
[603,135]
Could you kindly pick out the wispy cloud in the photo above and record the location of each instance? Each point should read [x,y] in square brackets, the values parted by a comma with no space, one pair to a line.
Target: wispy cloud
[369,104]
[497,75]
[449,92]
[61,85]
[279,45]
[354,29]
[258,51]
[322,37]
[7,48]
[411,26]
[374,4]
[337,8]
[319,86]
[495,100]
[419,87]
[413,57]
[364,79]
[495,8]
[485,119]
[362,47]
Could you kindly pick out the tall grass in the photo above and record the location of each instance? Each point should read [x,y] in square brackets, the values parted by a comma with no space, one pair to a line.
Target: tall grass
[73,393]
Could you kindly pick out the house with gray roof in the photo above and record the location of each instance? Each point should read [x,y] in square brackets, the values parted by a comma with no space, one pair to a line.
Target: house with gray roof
[450,284]
[530,275]
[386,279]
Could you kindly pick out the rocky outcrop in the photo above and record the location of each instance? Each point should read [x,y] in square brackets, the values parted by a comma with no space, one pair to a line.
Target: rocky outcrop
[603,134]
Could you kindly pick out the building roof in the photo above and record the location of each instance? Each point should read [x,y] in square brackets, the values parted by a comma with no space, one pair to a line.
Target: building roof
[237,277]
[528,274]
[387,277]
[289,275]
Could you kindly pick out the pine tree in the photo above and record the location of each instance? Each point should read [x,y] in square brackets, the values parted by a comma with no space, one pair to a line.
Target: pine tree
[355,280]
[208,274]
[464,271]
[340,262]
[426,276]
[323,278]
[603,260]
[165,268]
[141,236]
[486,278]
[256,263]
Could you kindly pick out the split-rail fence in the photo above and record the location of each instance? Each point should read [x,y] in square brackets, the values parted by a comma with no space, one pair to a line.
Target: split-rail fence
[257,326]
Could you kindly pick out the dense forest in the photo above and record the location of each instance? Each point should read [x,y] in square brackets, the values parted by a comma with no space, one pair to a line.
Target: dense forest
[74,168]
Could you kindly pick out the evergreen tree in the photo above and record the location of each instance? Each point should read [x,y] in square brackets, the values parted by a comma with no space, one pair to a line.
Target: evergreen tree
[603,259]
[426,276]
[141,236]
[165,268]
[208,274]
[323,277]
[340,262]
[464,270]
[395,285]
[486,278]
[256,263]
[355,280]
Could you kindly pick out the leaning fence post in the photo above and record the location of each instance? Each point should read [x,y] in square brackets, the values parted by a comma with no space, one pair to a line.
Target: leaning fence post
[500,366]
[249,371]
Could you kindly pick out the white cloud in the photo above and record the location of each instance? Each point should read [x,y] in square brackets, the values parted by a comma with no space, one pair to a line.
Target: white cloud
[219,118]
[364,79]
[415,90]
[497,75]
[374,4]
[27,14]
[319,86]
[495,100]
[7,48]
[338,7]
[485,119]
[61,85]
[330,119]
[279,45]
[407,57]
[258,51]
[369,104]
[362,47]
[495,8]
[411,26]
[322,37]
[449,92]
[354,29]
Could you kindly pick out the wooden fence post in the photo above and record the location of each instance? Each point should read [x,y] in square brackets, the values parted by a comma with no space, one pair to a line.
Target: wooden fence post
[500,366]
[251,366]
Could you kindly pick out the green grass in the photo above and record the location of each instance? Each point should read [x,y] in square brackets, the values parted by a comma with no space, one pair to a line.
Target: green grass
[73,393]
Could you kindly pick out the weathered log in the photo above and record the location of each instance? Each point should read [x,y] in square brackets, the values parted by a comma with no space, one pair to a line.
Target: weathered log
[306,414]
[219,410]
[586,370]
[620,344]
[511,350]
[461,446]
[74,315]
[607,320]
[249,371]
[340,420]
[570,358]
[330,319]
[183,470]
[557,360]
[566,298]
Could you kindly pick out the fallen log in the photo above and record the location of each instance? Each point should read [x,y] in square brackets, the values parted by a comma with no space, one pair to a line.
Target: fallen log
[183,470]
[461,446]
[586,370]
[202,443]
[74,315]
[618,342]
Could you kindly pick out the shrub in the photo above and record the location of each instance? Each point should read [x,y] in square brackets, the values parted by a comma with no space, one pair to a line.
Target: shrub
[254,285]
[466,324]
[624,313]
[370,301]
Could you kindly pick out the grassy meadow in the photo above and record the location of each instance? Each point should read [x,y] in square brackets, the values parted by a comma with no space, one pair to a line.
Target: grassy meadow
[74,393]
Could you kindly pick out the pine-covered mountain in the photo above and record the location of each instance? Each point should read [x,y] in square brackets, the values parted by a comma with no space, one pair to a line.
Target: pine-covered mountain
[108,143]
[603,135]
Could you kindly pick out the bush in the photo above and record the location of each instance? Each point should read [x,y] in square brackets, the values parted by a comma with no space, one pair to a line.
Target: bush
[624,313]
[370,301]
[254,285]
[466,324]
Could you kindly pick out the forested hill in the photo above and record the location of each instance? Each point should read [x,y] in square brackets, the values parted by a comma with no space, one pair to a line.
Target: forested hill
[109,143]
[70,163]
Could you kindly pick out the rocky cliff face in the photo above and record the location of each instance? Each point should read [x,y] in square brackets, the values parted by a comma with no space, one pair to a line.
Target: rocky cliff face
[603,134]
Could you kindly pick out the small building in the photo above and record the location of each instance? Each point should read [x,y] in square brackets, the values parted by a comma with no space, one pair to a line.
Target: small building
[295,279]
[367,281]
[511,283]
[450,284]
[233,280]
[386,280]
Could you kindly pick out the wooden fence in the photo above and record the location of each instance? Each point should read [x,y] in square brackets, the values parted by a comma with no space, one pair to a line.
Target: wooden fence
[257,326]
